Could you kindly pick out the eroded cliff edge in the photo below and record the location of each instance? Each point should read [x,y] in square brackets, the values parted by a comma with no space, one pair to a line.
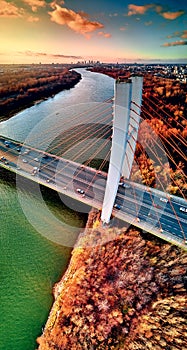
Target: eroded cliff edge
[121,291]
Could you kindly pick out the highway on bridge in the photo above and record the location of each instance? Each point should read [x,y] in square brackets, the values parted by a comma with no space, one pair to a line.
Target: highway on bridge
[156,212]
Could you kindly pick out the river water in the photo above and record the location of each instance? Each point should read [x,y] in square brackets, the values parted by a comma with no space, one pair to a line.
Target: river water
[30,263]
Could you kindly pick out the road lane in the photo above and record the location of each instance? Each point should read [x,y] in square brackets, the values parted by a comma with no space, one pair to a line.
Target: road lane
[66,176]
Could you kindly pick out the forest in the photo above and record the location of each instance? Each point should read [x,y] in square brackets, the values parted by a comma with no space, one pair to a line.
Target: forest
[23,85]
[164,108]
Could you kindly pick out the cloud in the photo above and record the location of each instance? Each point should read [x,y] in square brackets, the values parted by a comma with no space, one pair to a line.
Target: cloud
[141,10]
[113,14]
[47,55]
[32,19]
[138,10]
[176,43]
[9,10]
[172,15]
[158,8]
[34,4]
[182,35]
[122,28]
[105,35]
[78,22]
[175,34]
[56,2]
[148,23]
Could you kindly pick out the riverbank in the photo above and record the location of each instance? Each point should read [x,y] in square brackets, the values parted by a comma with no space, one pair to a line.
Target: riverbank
[122,290]
[34,87]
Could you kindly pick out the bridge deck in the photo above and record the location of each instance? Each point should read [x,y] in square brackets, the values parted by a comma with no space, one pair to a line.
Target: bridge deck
[148,209]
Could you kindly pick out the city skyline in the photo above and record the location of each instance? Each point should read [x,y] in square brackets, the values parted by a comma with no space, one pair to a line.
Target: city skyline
[67,31]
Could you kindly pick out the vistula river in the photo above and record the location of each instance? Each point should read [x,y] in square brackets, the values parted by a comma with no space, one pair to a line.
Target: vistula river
[31,263]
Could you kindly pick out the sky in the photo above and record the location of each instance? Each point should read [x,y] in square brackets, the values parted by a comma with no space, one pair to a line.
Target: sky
[65,31]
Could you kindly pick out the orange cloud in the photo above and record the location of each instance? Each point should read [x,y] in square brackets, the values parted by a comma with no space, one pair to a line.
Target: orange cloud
[122,28]
[158,8]
[34,4]
[138,10]
[9,10]
[172,15]
[184,34]
[141,10]
[105,35]
[48,55]
[78,22]
[32,19]
[175,43]
[174,35]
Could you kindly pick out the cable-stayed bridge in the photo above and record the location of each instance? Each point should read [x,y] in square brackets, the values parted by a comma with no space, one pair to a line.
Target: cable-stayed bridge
[150,209]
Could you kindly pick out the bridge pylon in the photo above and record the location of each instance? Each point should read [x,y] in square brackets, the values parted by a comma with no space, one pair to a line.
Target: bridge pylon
[125,131]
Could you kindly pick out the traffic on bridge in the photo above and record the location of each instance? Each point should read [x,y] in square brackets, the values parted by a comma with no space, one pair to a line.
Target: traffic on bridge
[154,211]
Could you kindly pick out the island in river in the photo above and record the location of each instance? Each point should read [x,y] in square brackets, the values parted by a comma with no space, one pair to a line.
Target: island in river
[23,85]
[123,290]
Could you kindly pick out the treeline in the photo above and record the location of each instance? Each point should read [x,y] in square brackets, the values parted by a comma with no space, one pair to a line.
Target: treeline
[164,107]
[20,87]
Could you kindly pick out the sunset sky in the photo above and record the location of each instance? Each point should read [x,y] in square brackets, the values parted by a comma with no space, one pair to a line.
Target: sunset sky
[33,31]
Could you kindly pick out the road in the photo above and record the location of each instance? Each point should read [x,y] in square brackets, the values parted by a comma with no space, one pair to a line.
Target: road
[159,213]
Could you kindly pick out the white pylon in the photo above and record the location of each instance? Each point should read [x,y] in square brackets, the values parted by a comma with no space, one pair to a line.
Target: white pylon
[120,139]
[137,85]
[122,101]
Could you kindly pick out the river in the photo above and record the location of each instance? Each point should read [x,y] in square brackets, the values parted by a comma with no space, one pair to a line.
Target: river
[30,263]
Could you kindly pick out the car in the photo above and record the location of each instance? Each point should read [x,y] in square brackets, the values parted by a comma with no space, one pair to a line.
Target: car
[45,156]
[35,170]
[162,199]
[24,161]
[161,230]
[124,185]
[80,191]
[7,144]
[36,159]
[3,159]
[137,219]
[117,206]
[18,149]
[48,180]
[27,151]
[6,162]
[183,209]
[151,215]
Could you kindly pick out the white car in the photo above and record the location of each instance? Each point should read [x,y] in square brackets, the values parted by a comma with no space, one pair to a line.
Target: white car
[35,170]
[80,191]
[162,199]
[124,185]
[24,161]
[117,206]
[184,210]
